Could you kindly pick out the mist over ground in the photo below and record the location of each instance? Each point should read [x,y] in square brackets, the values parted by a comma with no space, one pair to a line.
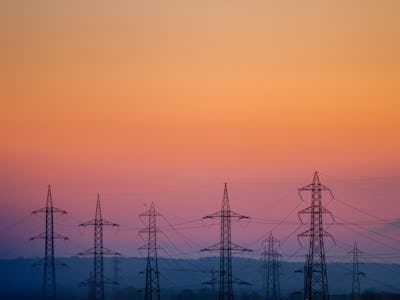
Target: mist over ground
[183,278]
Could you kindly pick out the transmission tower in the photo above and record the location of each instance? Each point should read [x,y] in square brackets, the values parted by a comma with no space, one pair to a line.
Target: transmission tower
[90,285]
[270,258]
[212,282]
[225,248]
[152,289]
[116,277]
[315,276]
[355,288]
[97,280]
[49,271]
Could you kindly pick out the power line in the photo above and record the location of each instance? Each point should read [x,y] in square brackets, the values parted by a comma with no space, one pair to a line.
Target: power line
[366,213]
[369,237]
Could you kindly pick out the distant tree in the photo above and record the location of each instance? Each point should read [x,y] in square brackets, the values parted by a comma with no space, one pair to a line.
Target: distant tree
[295,296]
[183,295]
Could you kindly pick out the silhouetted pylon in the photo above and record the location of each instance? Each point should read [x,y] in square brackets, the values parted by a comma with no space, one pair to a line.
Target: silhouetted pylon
[116,277]
[152,288]
[225,248]
[355,287]
[270,259]
[212,282]
[49,271]
[315,276]
[97,280]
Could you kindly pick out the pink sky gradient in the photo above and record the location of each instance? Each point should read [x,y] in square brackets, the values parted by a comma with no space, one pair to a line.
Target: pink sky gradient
[161,102]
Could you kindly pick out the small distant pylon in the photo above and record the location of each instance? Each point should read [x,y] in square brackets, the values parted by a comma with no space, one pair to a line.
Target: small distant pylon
[315,276]
[97,280]
[49,291]
[225,248]
[90,284]
[116,277]
[152,288]
[270,259]
[355,287]
[212,282]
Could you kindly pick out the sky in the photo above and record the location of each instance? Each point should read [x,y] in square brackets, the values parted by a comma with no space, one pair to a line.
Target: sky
[164,101]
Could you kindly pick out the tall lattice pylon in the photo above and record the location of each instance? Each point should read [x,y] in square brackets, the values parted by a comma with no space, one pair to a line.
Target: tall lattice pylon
[97,280]
[355,287]
[315,275]
[270,260]
[152,288]
[49,271]
[225,248]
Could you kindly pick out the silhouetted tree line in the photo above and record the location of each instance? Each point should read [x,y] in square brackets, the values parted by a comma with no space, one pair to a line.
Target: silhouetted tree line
[131,293]
[185,294]
[365,296]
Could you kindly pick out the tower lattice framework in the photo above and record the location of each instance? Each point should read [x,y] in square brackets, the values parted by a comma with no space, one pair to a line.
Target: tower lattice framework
[116,277]
[315,275]
[270,259]
[212,282]
[152,287]
[97,280]
[355,286]
[225,248]
[49,290]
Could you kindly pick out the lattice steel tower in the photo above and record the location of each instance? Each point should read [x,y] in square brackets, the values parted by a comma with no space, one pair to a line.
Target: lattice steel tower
[225,248]
[152,289]
[315,276]
[116,277]
[212,282]
[49,271]
[97,280]
[355,287]
[270,259]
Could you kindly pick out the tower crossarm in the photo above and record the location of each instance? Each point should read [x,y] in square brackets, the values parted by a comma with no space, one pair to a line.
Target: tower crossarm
[232,247]
[314,189]
[49,209]
[214,247]
[313,186]
[55,236]
[150,212]
[230,214]
[309,233]
[104,251]
[238,281]
[210,282]
[236,247]
[309,210]
[101,222]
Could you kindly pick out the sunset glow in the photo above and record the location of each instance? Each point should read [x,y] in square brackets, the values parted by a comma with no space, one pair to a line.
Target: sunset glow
[165,101]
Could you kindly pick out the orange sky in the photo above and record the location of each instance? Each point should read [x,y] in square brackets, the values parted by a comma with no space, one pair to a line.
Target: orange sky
[130,96]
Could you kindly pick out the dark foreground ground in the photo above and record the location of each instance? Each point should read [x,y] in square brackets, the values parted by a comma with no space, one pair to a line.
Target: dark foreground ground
[183,279]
